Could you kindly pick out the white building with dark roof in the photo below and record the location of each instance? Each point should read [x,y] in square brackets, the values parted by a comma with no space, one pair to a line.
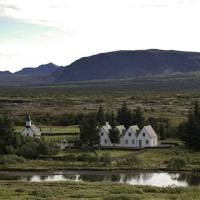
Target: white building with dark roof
[30,129]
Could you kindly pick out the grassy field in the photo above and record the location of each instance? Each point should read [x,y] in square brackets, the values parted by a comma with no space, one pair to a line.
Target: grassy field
[56,133]
[96,191]
[40,101]
[53,129]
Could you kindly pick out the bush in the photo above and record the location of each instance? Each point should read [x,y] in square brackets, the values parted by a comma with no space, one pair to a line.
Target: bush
[87,157]
[70,157]
[133,160]
[43,193]
[105,158]
[176,163]
[11,159]
[120,197]
[32,148]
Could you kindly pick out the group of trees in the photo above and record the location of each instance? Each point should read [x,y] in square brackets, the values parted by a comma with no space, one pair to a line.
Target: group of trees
[13,143]
[90,124]
[189,131]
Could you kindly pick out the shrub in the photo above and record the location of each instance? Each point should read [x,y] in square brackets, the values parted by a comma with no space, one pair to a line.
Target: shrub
[44,193]
[133,160]
[70,157]
[32,148]
[87,157]
[121,197]
[176,163]
[105,158]
[11,159]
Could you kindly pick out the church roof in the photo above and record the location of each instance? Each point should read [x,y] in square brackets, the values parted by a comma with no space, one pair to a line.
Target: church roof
[28,118]
[35,129]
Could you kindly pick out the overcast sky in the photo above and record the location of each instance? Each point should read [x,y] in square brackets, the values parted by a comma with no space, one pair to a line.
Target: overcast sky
[34,32]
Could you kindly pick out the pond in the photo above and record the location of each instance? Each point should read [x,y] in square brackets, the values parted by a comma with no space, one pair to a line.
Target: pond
[160,179]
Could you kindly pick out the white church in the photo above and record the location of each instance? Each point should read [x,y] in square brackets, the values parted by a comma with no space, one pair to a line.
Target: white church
[30,129]
[132,137]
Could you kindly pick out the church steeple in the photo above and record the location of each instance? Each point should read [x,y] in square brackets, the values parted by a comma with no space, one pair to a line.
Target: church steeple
[28,121]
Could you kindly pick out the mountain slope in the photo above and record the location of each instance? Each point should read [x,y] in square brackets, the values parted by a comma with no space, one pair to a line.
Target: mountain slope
[5,73]
[45,70]
[129,64]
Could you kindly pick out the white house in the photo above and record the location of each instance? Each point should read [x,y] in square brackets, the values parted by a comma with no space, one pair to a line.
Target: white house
[130,137]
[30,129]
[147,137]
[104,135]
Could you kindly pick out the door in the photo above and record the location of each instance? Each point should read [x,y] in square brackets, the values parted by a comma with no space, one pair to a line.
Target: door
[140,143]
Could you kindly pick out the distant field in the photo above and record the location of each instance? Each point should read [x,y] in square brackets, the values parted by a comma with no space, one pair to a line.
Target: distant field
[53,129]
[57,100]
[56,133]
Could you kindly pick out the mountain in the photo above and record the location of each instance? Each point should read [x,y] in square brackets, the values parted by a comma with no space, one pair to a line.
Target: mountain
[29,76]
[129,64]
[5,73]
[42,70]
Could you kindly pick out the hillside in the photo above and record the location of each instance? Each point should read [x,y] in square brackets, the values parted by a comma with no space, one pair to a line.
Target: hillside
[3,73]
[29,76]
[42,70]
[129,64]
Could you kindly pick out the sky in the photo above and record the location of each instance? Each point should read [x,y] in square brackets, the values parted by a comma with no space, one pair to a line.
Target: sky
[35,32]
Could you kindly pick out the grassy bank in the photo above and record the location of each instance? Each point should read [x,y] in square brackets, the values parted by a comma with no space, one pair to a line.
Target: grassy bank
[151,159]
[98,191]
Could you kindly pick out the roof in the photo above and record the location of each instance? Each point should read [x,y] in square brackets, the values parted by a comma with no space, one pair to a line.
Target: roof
[134,129]
[106,127]
[28,118]
[150,131]
[121,129]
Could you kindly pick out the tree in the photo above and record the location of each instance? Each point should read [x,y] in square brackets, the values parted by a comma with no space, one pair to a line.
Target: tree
[7,136]
[111,118]
[100,116]
[162,131]
[154,123]
[138,117]
[89,131]
[190,131]
[124,116]
[114,135]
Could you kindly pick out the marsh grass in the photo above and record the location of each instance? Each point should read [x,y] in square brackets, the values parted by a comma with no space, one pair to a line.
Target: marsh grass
[98,191]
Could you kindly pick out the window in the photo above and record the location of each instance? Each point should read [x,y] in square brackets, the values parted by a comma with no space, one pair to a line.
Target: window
[147,142]
[105,141]
[129,134]
[101,133]
[143,134]
[133,141]
[126,141]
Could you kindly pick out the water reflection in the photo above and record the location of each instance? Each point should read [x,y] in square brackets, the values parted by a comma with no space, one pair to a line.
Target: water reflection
[161,179]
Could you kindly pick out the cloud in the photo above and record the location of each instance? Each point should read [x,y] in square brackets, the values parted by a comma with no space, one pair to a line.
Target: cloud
[5,7]
[64,30]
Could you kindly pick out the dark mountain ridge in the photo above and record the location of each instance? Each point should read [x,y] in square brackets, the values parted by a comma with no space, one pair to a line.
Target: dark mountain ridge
[129,64]
[45,70]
